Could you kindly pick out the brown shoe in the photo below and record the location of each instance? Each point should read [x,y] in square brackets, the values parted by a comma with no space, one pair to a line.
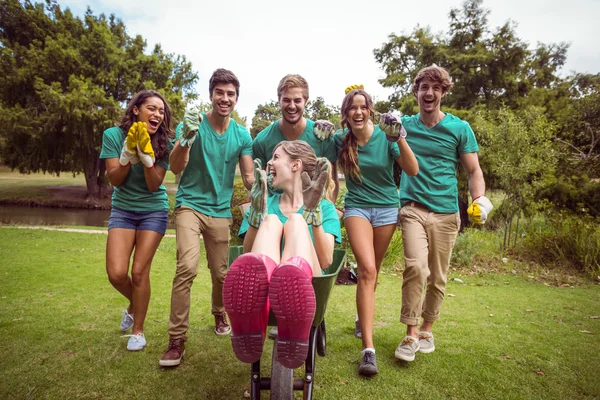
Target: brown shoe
[174,354]
[222,328]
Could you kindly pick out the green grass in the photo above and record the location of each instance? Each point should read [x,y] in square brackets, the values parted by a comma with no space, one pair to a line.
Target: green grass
[59,321]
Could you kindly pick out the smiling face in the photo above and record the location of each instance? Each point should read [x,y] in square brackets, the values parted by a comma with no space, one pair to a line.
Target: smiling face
[281,167]
[152,112]
[358,113]
[224,99]
[430,95]
[292,103]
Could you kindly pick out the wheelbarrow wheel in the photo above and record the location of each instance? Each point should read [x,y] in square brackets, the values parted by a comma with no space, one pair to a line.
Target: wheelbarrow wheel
[282,379]
[322,340]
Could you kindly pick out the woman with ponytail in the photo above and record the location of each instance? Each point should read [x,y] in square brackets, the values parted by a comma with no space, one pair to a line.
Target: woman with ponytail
[366,154]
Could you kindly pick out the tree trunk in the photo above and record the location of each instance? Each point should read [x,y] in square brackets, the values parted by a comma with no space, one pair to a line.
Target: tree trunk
[91,167]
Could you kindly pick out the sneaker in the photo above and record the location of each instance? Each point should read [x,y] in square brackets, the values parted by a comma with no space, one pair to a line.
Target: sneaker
[357,331]
[174,354]
[368,365]
[426,342]
[136,342]
[293,302]
[407,349]
[246,300]
[126,321]
[222,328]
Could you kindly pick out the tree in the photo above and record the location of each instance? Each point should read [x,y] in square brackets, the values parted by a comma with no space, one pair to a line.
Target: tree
[520,151]
[64,80]
[318,110]
[264,116]
[490,68]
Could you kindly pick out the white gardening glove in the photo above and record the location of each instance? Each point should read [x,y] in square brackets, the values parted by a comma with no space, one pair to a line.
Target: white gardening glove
[190,127]
[480,209]
[323,130]
[391,124]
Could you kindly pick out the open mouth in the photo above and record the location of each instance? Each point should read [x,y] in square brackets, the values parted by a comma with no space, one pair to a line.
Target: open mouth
[154,124]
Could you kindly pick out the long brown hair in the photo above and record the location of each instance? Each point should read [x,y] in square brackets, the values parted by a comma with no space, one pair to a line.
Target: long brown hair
[164,132]
[348,157]
[300,150]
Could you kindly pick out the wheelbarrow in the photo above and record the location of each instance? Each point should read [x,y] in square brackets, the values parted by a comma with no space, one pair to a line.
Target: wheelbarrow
[282,383]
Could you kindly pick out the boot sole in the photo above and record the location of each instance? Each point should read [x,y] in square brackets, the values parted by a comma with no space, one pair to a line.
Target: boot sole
[245,296]
[293,302]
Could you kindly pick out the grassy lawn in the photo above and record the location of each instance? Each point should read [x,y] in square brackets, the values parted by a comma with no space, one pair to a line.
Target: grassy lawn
[500,336]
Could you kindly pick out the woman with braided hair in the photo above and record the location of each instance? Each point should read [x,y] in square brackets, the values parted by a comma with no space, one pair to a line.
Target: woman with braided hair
[140,206]
[366,154]
[289,237]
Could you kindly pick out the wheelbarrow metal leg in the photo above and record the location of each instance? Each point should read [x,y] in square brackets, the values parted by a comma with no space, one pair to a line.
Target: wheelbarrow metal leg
[255,380]
[310,364]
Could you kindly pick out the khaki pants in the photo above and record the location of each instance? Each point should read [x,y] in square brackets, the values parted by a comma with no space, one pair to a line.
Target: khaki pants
[190,224]
[428,242]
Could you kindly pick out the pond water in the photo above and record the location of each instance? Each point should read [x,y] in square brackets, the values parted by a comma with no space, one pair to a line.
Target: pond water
[19,215]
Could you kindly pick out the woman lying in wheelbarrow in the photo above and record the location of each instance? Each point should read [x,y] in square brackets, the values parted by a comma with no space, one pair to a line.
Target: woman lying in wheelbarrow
[289,237]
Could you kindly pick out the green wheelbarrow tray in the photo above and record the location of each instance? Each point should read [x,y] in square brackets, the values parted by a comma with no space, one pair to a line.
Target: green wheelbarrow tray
[321,284]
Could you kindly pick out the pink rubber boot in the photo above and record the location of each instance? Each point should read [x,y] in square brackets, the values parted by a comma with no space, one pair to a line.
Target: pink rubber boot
[293,302]
[246,299]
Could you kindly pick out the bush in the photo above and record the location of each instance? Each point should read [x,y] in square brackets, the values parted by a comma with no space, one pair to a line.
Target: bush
[566,240]
[577,194]
[476,245]
[239,196]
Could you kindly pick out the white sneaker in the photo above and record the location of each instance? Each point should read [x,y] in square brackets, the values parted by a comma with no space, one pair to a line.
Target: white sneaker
[407,349]
[136,342]
[126,321]
[426,342]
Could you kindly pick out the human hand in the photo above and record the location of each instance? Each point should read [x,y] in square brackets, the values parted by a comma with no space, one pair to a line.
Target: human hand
[258,196]
[129,152]
[391,124]
[480,209]
[313,192]
[190,127]
[323,130]
[144,145]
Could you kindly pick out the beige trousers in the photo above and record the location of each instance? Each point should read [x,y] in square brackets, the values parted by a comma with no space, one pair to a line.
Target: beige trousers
[428,239]
[190,225]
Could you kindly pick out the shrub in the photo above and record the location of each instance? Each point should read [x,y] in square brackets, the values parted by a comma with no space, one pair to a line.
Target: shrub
[567,240]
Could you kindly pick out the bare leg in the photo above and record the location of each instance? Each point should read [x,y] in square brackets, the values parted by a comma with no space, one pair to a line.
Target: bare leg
[119,246]
[299,243]
[146,244]
[369,246]
[267,239]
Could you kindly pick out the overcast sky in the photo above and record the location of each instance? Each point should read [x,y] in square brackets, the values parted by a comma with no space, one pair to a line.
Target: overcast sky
[329,42]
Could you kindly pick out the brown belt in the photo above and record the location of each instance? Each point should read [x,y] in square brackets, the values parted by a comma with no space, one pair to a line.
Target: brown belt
[417,205]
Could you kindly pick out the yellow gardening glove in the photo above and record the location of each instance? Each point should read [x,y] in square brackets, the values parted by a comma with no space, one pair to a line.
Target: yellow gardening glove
[479,209]
[144,145]
[352,87]
[129,152]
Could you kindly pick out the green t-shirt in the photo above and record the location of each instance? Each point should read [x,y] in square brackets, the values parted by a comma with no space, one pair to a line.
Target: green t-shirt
[376,163]
[206,183]
[437,151]
[133,194]
[266,140]
[331,222]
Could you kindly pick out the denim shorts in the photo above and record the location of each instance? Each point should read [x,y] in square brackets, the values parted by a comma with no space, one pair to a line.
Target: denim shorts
[376,216]
[139,220]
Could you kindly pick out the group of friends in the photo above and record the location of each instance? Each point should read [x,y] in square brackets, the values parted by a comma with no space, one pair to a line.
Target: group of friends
[291,226]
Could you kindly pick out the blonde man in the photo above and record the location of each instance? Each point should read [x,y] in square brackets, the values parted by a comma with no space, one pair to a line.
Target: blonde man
[292,94]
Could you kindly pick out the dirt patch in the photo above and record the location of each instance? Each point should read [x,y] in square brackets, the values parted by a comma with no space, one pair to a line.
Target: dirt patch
[346,276]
